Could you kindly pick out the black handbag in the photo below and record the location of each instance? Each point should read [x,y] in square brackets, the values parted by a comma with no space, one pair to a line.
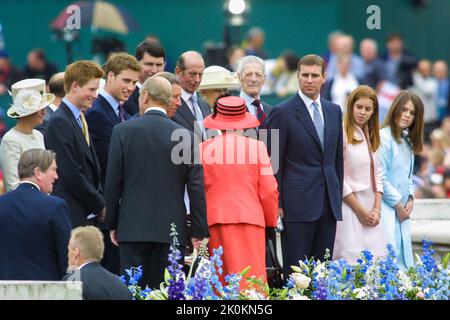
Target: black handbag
[273,269]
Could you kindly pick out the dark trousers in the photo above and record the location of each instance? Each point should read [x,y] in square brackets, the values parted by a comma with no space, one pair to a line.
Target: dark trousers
[110,261]
[301,240]
[272,235]
[152,256]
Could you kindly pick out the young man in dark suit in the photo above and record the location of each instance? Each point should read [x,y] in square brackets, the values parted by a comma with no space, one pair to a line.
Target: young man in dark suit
[34,226]
[310,174]
[122,71]
[152,58]
[85,252]
[145,193]
[67,134]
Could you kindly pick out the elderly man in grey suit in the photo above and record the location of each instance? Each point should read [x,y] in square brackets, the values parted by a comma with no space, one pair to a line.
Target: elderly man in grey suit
[251,72]
[144,194]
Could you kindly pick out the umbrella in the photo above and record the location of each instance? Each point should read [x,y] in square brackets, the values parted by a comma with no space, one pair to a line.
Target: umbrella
[98,14]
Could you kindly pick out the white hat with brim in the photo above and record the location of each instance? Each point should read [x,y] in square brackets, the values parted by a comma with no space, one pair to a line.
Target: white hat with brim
[29,96]
[216,77]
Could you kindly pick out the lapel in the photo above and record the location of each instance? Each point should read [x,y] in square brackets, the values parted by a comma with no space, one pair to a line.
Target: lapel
[186,114]
[204,107]
[305,118]
[78,132]
[108,110]
[327,119]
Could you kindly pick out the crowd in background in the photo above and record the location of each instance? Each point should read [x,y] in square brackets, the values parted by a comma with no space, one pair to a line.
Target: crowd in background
[386,68]
[97,119]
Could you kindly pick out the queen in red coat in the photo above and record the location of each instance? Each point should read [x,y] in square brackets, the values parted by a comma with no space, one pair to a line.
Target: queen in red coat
[241,191]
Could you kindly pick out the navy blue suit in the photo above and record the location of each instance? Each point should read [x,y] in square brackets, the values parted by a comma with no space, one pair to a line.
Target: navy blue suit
[34,233]
[100,284]
[78,167]
[309,179]
[101,119]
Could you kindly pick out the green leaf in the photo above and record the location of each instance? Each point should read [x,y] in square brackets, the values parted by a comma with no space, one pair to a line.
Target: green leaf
[445,260]
[167,276]
[244,272]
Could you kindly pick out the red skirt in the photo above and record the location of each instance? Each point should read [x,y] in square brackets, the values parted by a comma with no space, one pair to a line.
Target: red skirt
[243,245]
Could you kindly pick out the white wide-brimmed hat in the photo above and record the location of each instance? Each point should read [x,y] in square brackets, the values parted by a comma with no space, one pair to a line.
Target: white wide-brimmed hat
[216,77]
[29,96]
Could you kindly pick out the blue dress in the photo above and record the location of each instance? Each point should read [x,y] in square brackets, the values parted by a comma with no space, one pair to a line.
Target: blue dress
[397,161]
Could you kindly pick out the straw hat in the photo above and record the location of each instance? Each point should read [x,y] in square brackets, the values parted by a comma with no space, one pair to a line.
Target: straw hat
[231,114]
[215,77]
[29,96]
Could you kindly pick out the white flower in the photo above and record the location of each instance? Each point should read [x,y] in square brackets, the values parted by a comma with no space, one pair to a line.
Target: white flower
[420,295]
[321,270]
[405,281]
[361,293]
[297,296]
[27,100]
[252,294]
[301,281]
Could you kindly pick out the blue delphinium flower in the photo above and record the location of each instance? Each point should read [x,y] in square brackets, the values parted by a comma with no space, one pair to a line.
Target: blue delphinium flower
[216,268]
[389,279]
[231,290]
[176,283]
[319,288]
[427,257]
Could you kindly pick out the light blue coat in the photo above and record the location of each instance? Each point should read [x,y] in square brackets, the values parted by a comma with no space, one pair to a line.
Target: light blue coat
[397,161]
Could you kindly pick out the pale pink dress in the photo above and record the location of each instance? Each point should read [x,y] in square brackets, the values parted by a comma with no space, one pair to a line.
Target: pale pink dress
[364,181]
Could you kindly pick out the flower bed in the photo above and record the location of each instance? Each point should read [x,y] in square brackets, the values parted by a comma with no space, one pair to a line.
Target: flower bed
[369,279]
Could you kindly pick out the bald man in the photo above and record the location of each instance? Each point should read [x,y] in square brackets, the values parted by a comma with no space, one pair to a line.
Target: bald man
[145,194]
[193,110]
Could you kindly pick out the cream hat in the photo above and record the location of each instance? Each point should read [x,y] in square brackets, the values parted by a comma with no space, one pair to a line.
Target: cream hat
[215,77]
[29,96]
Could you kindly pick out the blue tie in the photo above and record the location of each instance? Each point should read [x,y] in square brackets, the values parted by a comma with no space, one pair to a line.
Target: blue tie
[318,123]
[193,99]
[198,114]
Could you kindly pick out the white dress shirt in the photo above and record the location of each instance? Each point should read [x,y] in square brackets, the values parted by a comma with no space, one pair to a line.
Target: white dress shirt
[308,102]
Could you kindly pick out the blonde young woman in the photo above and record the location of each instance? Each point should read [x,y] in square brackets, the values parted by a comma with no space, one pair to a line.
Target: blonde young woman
[360,228]
[29,102]
[401,139]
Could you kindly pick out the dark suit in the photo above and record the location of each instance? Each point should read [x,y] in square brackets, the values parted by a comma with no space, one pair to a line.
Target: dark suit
[185,117]
[309,179]
[131,106]
[78,167]
[101,119]
[145,193]
[100,284]
[34,233]
[48,113]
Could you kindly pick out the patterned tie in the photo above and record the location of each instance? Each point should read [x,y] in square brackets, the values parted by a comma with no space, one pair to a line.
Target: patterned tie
[318,123]
[84,128]
[121,113]
[260,114]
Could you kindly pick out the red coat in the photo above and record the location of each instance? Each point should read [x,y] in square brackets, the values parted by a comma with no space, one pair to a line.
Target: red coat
[241,200]
[239,182]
